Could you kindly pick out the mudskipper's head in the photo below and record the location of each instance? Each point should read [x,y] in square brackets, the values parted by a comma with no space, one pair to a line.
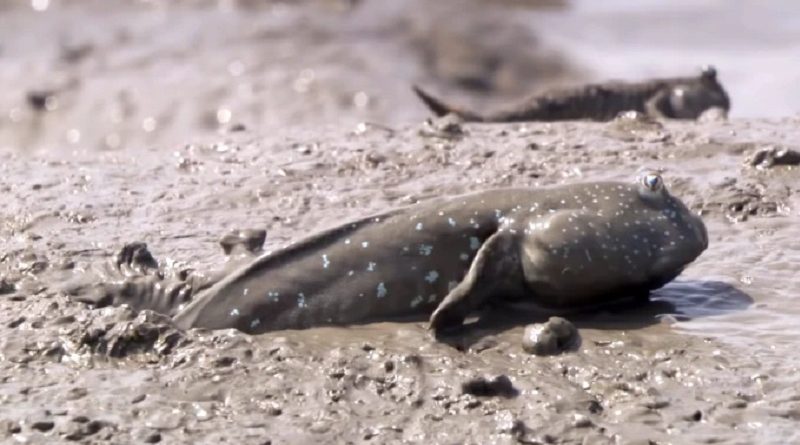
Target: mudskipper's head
[674,234]
[690,99]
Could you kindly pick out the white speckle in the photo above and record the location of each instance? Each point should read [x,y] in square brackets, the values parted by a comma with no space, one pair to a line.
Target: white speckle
[255,323]
[371,266]
[377,220]
[432,276]
[325,261]
[301,301]
[588,257]
[350,273]
[381,291]
[441,213]
[234,312]
[417,301]
[451,221]
[347,241]
[425,249]
[419,226]
[464,257]
[365,244]
[474,243]
[273,296]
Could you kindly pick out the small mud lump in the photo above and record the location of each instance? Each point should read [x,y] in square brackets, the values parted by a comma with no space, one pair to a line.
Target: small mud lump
[772,156]
[482,387]
[554,337]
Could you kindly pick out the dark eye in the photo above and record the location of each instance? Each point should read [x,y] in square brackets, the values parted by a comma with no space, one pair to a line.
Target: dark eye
[652,181]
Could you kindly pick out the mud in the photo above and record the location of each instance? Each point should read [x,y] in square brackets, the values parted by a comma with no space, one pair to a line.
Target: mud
[555,336]
[710,360]
[639,375]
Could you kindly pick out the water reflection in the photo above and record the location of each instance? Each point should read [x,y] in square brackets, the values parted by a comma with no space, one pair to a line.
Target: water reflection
[678,301]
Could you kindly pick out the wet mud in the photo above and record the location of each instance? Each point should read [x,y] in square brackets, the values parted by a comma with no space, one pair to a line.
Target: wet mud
[684,365]
[710,359]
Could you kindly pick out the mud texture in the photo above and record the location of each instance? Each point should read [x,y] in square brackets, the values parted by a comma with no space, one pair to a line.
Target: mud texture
[638,375]
[712,359]
[555,336]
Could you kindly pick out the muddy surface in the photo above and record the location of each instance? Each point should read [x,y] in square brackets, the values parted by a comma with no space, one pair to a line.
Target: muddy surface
[709,360]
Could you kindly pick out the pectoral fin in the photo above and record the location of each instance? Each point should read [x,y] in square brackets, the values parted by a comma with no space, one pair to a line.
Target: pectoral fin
[495,266]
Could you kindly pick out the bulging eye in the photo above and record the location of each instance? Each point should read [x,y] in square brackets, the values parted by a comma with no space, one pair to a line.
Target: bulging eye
[653,182]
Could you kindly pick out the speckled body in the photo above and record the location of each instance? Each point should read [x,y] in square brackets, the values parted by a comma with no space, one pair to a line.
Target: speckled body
[674,98]
[561,247]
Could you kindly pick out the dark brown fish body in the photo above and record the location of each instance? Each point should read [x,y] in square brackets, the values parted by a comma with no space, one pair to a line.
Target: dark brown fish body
[674,98]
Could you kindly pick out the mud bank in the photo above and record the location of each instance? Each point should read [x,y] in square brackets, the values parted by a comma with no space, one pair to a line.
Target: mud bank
[709,361]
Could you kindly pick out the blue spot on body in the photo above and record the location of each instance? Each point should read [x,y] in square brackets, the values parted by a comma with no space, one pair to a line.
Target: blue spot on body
[464,257]
[381,291]
[474,243]
[301,301]
[255,323]
[432,276]
[425,249]
[451,221]
[371,266]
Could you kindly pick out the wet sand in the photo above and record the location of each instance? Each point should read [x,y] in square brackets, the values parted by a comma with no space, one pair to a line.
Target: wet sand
[709,361]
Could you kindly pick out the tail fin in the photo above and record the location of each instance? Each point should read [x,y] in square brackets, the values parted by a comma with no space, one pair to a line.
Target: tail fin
[440,108]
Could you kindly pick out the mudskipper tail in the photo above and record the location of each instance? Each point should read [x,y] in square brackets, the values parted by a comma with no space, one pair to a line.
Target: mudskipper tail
[440,108]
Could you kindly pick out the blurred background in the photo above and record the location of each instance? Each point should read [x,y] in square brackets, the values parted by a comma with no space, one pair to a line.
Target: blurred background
[108,74]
